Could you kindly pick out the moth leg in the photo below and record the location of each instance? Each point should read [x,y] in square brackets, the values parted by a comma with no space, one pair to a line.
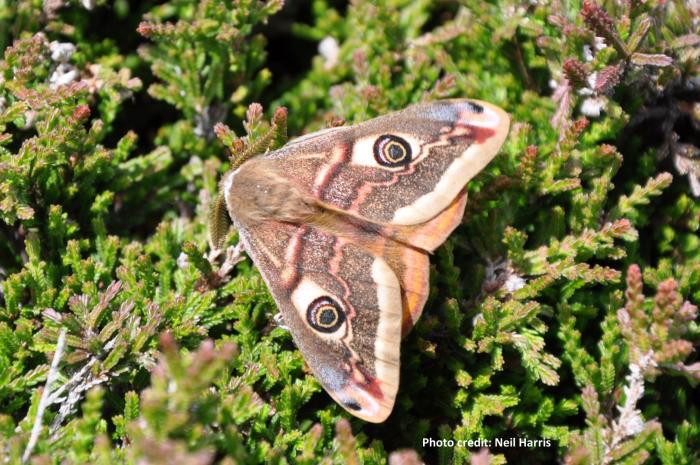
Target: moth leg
[279,321]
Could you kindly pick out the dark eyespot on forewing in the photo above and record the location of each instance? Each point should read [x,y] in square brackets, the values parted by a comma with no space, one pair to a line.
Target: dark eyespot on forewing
[392,151]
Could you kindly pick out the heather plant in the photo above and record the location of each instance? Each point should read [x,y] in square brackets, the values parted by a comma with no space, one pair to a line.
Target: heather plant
[133,329]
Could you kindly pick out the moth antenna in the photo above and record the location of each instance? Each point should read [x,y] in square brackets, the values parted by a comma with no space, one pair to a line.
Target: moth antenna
[218,222]
[276,136]
[259,146]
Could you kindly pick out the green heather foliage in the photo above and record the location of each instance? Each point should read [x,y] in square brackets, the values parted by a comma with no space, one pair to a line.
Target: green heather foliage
[561,309]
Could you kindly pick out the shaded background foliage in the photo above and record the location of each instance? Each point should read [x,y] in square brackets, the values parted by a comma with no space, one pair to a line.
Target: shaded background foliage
[125,339]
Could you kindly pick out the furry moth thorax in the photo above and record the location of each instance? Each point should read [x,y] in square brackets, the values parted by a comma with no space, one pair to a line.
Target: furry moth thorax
[340,224]
[258,192]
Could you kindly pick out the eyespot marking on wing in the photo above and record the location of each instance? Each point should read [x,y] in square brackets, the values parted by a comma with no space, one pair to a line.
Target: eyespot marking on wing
[389,151]
[325,315]
[321,310]
[392,151]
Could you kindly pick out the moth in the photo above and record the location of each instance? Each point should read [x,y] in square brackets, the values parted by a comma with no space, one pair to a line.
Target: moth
[340,224]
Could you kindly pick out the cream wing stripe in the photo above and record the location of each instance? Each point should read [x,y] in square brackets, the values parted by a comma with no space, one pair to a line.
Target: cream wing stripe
[387,345]
[465,167]
[460,171]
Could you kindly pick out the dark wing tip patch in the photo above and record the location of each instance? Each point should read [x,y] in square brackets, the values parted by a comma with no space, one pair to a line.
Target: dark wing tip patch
[352,405]
[475,107]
